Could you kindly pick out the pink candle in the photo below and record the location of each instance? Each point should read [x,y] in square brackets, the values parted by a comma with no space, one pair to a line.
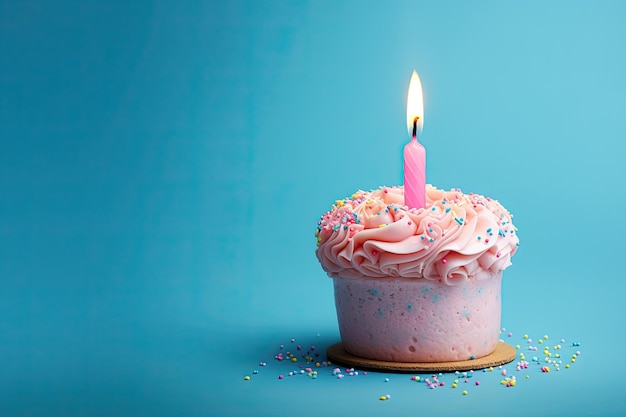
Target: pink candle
[414,152]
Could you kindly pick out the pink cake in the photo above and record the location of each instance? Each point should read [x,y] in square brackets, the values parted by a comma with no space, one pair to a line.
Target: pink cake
[417,285]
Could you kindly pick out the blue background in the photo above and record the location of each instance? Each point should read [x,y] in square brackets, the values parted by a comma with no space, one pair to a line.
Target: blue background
[163,166]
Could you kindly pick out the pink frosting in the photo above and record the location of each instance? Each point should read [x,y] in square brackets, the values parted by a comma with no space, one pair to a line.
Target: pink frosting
[456,237]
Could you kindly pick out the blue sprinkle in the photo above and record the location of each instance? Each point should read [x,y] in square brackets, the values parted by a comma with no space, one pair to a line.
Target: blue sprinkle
[431,240]
[434,208]
[430,230]
[373,291]
[478,237]
[448,209]
[489,230]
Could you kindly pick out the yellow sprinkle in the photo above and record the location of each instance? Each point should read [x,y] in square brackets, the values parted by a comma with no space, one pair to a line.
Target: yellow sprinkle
[314,372]
[382,225]
[491,369]
[317,364]
[464,392]
[503,382]
[456,381]
[382,398]
[309,374]
[573,360]
[574,356]
[517,347]
[545,336]
[525,336]
[567,365]
[453,385]
[557,355]
[246,378]
[527,376]
[339,203]
[294,359]
[540,341]
[512,382]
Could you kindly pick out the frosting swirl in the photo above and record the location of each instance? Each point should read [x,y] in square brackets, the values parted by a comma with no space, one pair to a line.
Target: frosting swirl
[456,237]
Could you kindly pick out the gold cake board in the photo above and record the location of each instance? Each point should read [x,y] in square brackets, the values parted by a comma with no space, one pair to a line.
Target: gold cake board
[504,353]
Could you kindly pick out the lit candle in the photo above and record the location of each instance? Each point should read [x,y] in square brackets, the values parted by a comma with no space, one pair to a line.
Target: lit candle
[414,152]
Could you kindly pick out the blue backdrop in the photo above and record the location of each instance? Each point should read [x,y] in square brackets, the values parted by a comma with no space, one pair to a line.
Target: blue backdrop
[163,165]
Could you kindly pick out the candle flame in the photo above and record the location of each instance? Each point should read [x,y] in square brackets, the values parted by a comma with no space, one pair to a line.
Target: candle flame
[415,106]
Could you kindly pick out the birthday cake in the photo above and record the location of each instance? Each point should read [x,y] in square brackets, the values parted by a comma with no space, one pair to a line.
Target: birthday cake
[417,285]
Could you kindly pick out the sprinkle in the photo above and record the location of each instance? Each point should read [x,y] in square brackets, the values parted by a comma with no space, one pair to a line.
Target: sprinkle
[246,378]
[464,392]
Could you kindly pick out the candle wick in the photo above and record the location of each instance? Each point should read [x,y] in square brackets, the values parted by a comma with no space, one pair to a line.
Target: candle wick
[415,126]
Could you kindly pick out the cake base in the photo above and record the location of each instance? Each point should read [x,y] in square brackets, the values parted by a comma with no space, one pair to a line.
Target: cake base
[504,353]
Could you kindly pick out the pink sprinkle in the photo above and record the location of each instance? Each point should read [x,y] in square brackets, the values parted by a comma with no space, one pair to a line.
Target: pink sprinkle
[298,347]
[477,382]
[443,261]
[280,376]
[374,252]
[504,372]
[409,223]
[510,334]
